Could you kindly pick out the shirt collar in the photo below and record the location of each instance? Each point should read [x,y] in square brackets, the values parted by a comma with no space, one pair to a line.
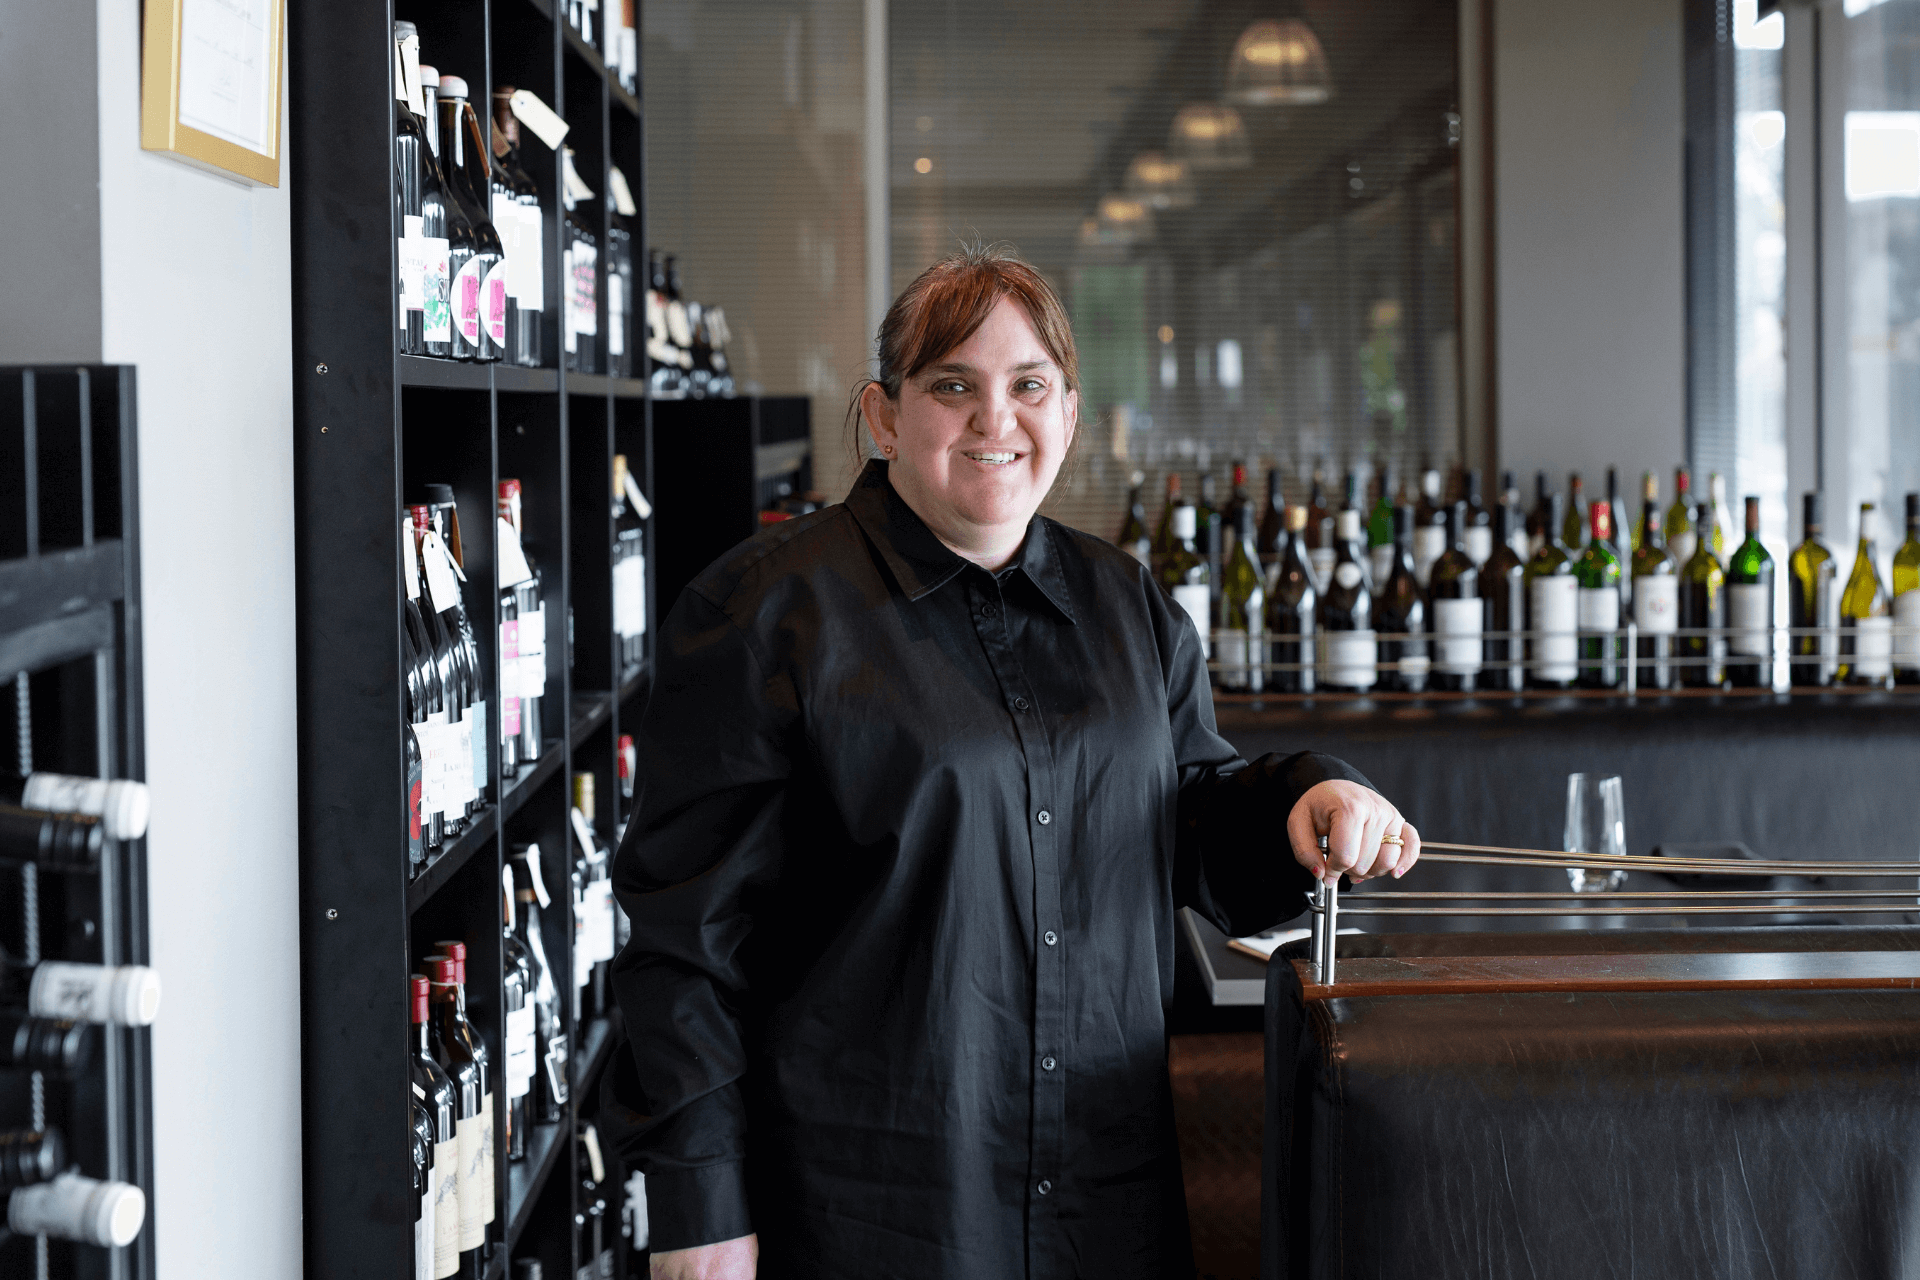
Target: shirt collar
[922,564]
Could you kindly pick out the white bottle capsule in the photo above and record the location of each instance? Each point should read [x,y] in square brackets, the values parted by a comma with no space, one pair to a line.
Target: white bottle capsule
[109,1214]
[126,995]
[121,805]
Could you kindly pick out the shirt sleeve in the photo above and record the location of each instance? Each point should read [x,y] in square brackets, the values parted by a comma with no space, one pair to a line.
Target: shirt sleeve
[1232,862]
[714,757]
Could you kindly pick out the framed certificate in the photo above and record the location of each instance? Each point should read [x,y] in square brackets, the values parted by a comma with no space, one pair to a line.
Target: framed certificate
[210,84]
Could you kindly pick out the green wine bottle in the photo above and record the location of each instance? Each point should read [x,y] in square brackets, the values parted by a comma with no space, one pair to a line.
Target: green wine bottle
[1906,599]
[1243,610]
[1292,606]
[1680,531]
[1703,610]
[1503,590]
[1134,538]
[1866,621]
[1400,613]
[1750,608]
[1163,532]
[1182,573]
[1813,605]
[1573,525]
[1457,614]
[1598,603]
[1656,592]
[1553,609]
[1380,519]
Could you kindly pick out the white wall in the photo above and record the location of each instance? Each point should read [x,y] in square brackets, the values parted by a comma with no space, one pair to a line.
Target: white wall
[1589,239]
[196,293]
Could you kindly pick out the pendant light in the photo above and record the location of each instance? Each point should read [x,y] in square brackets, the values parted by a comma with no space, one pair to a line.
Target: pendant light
[1159,182]
[1209,135]
[1278,62]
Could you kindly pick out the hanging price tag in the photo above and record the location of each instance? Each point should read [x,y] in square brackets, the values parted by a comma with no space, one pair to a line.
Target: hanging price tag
[583,833]
[539,117]
[440,584]
[413,560]
[506,882]
[576,185]
[540,894]
[622,194]
[638,500]
[513,561]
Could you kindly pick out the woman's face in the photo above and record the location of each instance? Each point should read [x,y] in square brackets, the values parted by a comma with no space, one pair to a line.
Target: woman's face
[976,437]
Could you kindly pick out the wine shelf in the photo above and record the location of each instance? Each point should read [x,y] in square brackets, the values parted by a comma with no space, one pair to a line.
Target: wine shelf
[527,1177]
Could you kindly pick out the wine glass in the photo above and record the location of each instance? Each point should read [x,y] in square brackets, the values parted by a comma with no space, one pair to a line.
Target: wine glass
[1596,824]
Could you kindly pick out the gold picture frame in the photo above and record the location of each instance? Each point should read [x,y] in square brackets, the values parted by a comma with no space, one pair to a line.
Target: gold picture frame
[233,55]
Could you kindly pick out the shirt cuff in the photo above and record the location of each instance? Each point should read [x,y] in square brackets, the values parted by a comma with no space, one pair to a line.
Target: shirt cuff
[688,1207]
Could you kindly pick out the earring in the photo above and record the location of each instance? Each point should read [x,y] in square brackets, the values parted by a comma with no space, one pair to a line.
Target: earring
[887,449]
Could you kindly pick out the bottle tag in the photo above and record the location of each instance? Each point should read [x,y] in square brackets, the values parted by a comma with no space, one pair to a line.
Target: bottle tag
[1656,603]
[440,584]
[413,560]
[1750,617]
[539,117]
[590,1138]
[410,64]
[540,894]
[506,882]
[436,257]
[577,188]
[418,1092]
[638,500]
[583,833]
[513,561]
[622,194]
[529,266]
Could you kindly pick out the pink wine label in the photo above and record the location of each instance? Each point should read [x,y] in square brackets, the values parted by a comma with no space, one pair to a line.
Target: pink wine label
[493,304]
[466,300]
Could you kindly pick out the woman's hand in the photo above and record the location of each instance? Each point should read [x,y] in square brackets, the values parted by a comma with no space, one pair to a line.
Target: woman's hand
[736,1259]
[1355,821]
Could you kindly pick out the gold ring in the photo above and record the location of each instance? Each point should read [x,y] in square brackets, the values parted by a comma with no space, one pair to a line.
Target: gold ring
[1391,840]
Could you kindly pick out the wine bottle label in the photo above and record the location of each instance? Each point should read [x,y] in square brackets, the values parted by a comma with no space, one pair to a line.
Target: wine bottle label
[531,266]
[423,1227]
[1683,545]
[1906,622]
[509,714]
[482,762]
[582,266]
[1230,652]
[446,1209]
[521,1057]
[1478,542]
[116,995]
[1322,559]
[493,304]
[1349,657]
[1197,600]
[504,208]
[1429,544]
[629,596]
[616,314]
[466,299]
[486,1157]
[413,266]
[1380,560]
[510,658]
[473,1195]
[679,329]
[1656,603]
[569,325]
[1554,612]
[436,256]
[1599,608]
[1750,618]
[533,653]
[600,902]
[1458,624]
[414,849]
[1872,648]
[433,765]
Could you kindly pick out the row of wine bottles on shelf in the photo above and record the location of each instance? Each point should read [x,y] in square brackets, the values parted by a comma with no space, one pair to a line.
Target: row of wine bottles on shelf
[471,273]
[1552,619]
[454,1146]
[617,40]
[686,341]
[61,823]
[594,1237]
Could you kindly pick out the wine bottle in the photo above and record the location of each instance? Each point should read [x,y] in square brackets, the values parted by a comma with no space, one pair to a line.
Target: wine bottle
[1400,614]
[1541,522]
[629,566]
[430,245]
[1750,609]
[1243,605]
[1703,610]
[83,1210]
[579,272]
[1906,599]
[1598,604]
[1656,592]
[620,287]
[1320,533]
[526,249]
[1459,613]
[446,519]
[1723,525]
[1207,538]
[626,758]
[1503,590]
[511,570]
[436,1091]
[423,1219]
[57,1047]
[1349,652]
[1681,535]
[1430,528]
[420,684]
[464,270]
[480,293]
[50,841]
[1476,529]
[1292,609]
[530,635]
[1553,608]
[29,1156]
[662,356]
[1380,528]
[1866,621]
[1183,575]
[123,995]
[1163,541]
[518,1038]
[450,747]
[592,1171]
[548,1099]
[1613,517]
[1573,525]
[120,805]
[458,1049]
[1273,523]
[1237,501]
[1813,604]
[1134,538]
[1510,499]
[596,893]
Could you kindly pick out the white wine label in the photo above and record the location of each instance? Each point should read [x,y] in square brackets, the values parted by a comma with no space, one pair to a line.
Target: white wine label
[1599,608]
[446,1209]
[1553,608]
[509,661]
[1872,646]
[1683,545]
[482,765]
[600,903]
[1750,618]
[486,1155]
[466,300]
[622,194]
[680,331]
[1458,623]
[493,303]
[513,561]
[1429,544]
[539,117]
[1906,623]
[1197,600]
[1321,558]
[520,1051]
[429,771]
[569,327]
[423,1234]
[582,263]
[1349,657]
[616,314]
[1347,575]
[472,1195]
[530,265]
[505,210]
[412,558]
[438,313]
[441,589]
[636,499]
[1380,560]
[413,266]
[1479,543]
[1656,603]
[1230,653]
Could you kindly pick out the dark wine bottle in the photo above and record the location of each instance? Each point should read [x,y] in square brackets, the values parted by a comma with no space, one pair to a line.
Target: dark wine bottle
[1163,531]
[1750,608]
[549,1095]
[1134,538]
[1503,589]
[449,745]
[1458,614]
[123,995]
[50,841]
[434,1088]
[629,567]
[1238,500]
[1813,604]
[57,1047]
[480,285]
[1906,599]
[1598,603]
[1207,538]
[1293,606]
[1429,528]
[465,267]
[1349,652]
[446,522]
[1400,614]
[120,805]
[620,286]
[518,1037]
[1538,526]
[1273,523]
[1656,592]
[410,153]
[427,717]
[1476,528]
[1321,552]
[529,639]
[516,204]
[423,1217]
[579,272]
[596,894]
[1553,609]
[462,1054]
[1703,609]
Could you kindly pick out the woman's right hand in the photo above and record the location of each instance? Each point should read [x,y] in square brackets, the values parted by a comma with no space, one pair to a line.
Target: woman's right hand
[736,1259]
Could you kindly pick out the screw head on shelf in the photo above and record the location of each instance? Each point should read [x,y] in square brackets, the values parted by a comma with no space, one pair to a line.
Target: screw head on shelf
[320,368]
[332,914]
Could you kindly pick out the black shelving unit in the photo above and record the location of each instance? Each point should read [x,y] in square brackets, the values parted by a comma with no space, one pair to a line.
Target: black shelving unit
[70,667]
[371,427]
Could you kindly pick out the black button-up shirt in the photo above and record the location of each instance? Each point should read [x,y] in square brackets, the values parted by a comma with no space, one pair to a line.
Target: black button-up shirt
[902,881]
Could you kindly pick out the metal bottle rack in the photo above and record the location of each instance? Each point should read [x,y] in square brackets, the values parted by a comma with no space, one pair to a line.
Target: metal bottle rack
[70,666]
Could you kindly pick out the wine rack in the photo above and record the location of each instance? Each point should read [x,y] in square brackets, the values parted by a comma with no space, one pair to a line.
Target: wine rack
[372,427]
[70,673]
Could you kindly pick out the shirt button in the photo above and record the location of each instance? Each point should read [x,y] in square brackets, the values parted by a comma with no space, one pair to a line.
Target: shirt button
[1044,1186]
[1046,1064]
[1045,817]
[1052,937]
[988,610]
[1019,704]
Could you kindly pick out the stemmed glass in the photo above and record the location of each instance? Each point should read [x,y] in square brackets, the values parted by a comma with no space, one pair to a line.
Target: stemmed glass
[1596,824]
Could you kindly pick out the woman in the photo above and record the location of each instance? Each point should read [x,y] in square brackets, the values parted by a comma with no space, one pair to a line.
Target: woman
[926,777]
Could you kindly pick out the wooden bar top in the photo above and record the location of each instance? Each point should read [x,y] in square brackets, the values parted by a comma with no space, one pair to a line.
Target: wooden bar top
[1706,971]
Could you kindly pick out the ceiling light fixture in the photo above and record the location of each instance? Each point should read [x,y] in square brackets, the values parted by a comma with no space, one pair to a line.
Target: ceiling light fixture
[1158,182]
[1209,135]
[1278,62]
